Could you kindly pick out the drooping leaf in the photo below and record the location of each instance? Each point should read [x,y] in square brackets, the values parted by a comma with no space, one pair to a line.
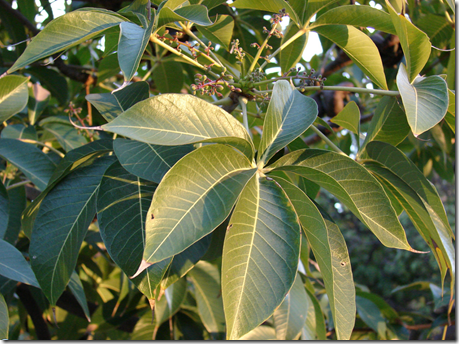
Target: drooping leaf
[29,159]
[38,100]
[415,43]
[349,118]
[76,287]
[220,32]
[359,16]
[14,266]
[260,256]
[206,281]
[178,119]
[354,186]
[291,54]
[372,316]
[60,227]
[195,13]
[260,333]
[290,316]
[388,124]
[132,44]
[289,114]
[425,100]
[194,197]
[170,302]
[4,319]
[360,49]
[168,76]
[331,253]
[315,325]
[4,210]
[78,27]
[150,162]
[13,95]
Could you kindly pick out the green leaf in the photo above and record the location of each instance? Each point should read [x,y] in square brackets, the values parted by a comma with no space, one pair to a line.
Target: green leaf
[268,6]
[260,256]
[415,44]
[170,302]
[19,131]
[78,26]
[389,123]
[194,197]
[106,104]
[212,3]
[4,210]
[291,54]
[72,160]
[195,13]
[38,101]
[29,159]
[354,186]
[66,135]
[359,16]
[315,326]
[14,266]
[178,119]
[76,287]
[437,28]
[13,95]
[60,227]
[360,49]
[51,80]
[349,118]
[331,253]
[108,67]
[4,319]
[206,281]
[150,162]
[220,32]
[371,315]
[290,316]
[132,44]
[289,114]
[260,333]
[137,6]
[387,311]
[313,6]
[450,117]
[425,100]
[168,76]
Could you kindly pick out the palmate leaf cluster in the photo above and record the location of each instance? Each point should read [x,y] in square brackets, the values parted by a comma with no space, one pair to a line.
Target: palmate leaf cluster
[172,203]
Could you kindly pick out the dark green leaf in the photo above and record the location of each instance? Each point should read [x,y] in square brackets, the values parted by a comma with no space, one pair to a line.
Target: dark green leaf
[194,13]
[51,80]
[291,54]
[19,131]
[14,266]
[168,76]
[66,135]
[220,32]
[4,210]
[372,316]
[268,6]
[76,287]
[4,319]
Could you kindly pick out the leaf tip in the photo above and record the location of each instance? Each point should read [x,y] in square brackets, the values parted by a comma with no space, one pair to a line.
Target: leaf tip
[143,265]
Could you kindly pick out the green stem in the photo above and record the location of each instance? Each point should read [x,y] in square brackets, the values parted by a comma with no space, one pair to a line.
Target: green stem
[327,140]
[223,101]
[257,56]
[44,145]
[290,40]
[335,88]
[245,121]
[18,184]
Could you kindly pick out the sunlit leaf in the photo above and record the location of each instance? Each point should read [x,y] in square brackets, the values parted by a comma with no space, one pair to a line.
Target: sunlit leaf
[38,101]
[13,95]
[349,118]
[220,32]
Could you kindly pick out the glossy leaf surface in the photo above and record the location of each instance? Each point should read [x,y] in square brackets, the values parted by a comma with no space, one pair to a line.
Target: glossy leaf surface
[14,266]
[13,95]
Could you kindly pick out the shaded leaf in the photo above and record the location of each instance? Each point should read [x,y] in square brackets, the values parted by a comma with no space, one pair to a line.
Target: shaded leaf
[371,315]
[170,302]
[220,32]
[38,101]
[52,81]
[14,266]
[60,227]
[4,210]
[425,100]
[13,95]
[29,159]
[260,256]
[66,135]
[260,333]
[291,54]
[4,319]
[316,325]
[360,49]
[354,186]
[194,13]
[268,6]
[168,76]
[450,117]
[349,118]
[76,287]
[19,131]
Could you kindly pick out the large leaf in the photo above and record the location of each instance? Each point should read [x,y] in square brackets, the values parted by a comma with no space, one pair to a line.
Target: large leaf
[360,49]
[415,43]
[29,159]
[4,210]
[132,44]
[289,114]
[14,266]
[60,227]
[388,124]
[354,186]
[331,253]
[4,319]
[65,32]
[194,197]
[260,256]
[194,13]
[425,100]
[220,32]
[206,281]
[291,54]
[359,16]
[290,316]
[150,162]
[178,119]
[349,118]
[13,95]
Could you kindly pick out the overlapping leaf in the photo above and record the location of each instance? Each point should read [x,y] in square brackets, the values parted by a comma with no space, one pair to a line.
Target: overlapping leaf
[38,100]
[289,114]
[194,197]
[349,118]
[13,95]
[61,224]
[220,32]
[269,6]
[168,76]
[65,32]
[178,119]
[291,54]
[14,266]
[76,287]
[354,186]
[260,256]
[195,13]
[331,253]
[170,302]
